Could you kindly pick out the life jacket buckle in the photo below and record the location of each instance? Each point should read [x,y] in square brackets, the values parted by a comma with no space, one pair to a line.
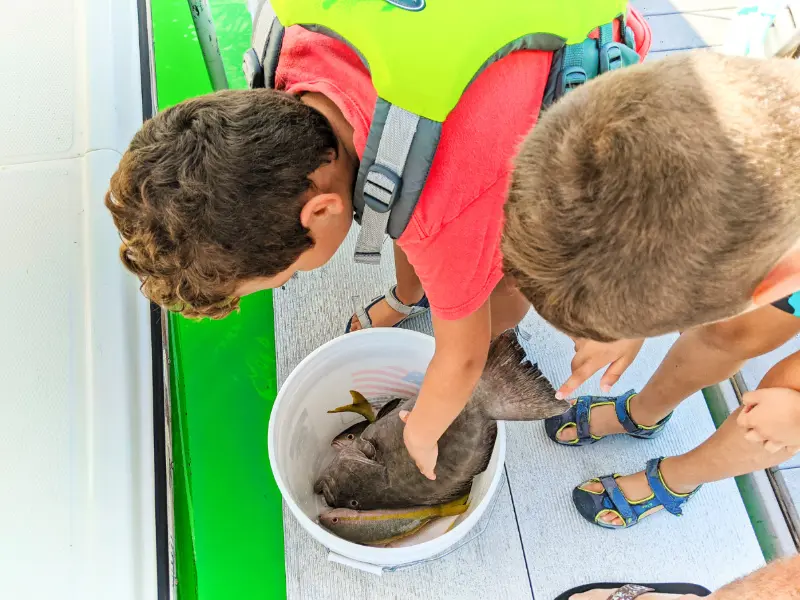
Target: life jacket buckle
[381,188]
[573,77]
[611,57]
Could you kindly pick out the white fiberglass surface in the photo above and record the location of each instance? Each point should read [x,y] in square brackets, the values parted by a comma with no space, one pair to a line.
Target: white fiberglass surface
[76,458]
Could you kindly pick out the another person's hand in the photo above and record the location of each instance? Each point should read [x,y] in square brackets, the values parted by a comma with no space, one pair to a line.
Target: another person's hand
[592,356]
[423,451]
[771,416]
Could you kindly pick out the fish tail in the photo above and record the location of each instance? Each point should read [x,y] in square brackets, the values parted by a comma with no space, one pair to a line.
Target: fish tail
[359,406]
[514,389]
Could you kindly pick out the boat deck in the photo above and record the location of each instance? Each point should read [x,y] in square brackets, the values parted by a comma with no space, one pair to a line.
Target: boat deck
[532,543]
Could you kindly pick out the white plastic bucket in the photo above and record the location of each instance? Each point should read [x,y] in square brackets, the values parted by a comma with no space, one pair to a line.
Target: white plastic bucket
[376,362]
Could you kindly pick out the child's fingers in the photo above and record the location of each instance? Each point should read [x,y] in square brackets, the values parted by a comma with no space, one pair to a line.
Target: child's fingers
[575,380]
[745,418]
[426,470]
[403,414]
[753,436]
[751,398]
[773,447]
[614,372]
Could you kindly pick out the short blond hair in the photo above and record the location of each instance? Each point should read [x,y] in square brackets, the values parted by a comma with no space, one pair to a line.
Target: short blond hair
[656,198]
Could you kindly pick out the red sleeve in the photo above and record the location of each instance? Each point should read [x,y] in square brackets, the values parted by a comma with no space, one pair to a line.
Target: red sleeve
[461,264]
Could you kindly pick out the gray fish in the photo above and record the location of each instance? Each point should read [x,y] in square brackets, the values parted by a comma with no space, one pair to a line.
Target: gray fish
[381,527]
[375,471]
[349,435]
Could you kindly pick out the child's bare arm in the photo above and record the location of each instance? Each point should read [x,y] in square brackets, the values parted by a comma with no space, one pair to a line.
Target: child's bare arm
[456,367]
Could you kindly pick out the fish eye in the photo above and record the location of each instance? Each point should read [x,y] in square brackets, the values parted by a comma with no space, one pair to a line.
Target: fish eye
[335,520]
[354,503]
[350,436]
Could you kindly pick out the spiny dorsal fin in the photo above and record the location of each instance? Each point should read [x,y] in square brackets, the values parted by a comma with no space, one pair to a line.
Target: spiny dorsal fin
[359,406]
[513,389]
[388,407]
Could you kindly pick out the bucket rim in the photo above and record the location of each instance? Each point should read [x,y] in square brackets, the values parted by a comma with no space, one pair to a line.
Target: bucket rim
[333,543]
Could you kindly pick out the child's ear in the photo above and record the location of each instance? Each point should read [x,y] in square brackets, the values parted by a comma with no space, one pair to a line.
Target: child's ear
[320,207]
[782,281]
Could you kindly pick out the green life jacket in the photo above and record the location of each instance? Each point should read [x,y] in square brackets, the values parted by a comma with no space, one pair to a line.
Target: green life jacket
[421,58]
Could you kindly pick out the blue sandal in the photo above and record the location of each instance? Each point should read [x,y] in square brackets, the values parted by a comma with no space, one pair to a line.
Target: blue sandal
[580,415]
[592,505]
[409,310]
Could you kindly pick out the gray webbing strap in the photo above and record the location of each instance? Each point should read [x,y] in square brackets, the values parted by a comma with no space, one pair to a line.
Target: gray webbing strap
[383,181]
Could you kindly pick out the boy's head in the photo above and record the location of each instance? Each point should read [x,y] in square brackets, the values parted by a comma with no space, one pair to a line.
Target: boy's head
[660,197]
[229,193]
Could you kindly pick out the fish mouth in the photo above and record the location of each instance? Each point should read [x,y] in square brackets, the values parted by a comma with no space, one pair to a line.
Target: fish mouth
[326,487]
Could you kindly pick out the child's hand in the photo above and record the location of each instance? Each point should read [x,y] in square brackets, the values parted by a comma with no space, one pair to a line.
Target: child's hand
[771,416]
[591,356]
[423,451]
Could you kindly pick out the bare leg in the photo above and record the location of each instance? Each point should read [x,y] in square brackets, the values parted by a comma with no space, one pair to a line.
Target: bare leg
[409,291]
[700,357]
[725,454]
[508,307]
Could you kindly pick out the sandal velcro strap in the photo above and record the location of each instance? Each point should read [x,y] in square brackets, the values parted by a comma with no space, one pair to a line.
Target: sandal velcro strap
[619,500]
[363,317]
[671,501]
[582,410]
[394,302]
[630,592]
[623,414]
[362,312]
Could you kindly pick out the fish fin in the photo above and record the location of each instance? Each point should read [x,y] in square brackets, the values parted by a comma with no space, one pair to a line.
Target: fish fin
[388,407]
[359,406]
[458,501]
[514,389]
[453,510]
[457,507]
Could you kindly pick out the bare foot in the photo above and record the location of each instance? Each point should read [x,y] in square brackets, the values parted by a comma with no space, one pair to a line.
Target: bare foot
[383,315]
[601,594]
[603,420]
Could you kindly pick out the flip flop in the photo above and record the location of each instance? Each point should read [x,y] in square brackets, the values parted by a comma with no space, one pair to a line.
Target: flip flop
[629,591]
[409,310]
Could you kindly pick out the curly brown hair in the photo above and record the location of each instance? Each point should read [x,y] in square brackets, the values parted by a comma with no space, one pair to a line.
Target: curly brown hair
[209,194]
[657,197]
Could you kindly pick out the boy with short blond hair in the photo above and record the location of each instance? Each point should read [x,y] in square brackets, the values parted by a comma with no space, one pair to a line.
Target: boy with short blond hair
[661,198]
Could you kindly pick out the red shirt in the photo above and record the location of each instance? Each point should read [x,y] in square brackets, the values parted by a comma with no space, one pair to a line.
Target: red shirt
[453,238]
